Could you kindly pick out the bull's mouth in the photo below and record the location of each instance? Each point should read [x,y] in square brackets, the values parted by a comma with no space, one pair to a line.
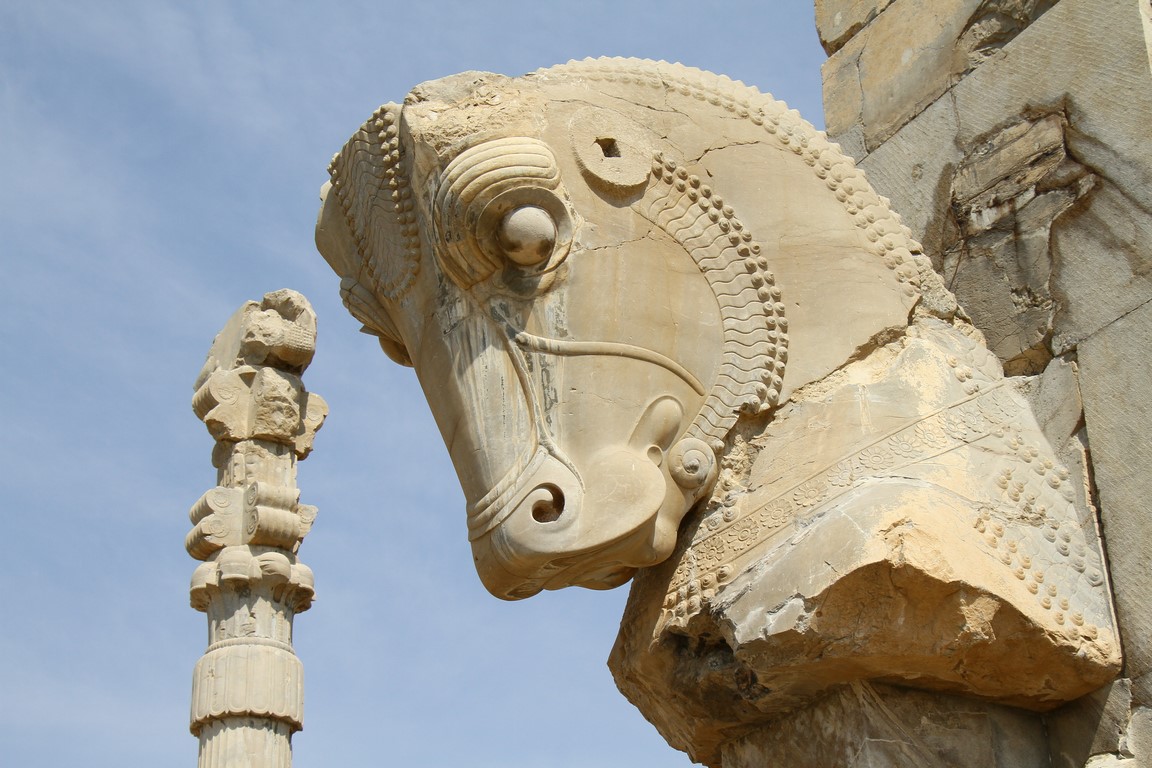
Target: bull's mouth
[590,520]
[599,567]
[608,574]
[559,529]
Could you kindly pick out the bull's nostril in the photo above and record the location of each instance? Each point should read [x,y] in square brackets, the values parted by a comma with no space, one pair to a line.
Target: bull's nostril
[551,507]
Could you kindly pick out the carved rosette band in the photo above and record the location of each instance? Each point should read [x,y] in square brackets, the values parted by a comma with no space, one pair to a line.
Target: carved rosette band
[247,689]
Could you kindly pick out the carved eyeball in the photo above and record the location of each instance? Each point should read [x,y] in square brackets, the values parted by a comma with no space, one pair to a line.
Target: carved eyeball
[692,463]
[501,203]
[527,234]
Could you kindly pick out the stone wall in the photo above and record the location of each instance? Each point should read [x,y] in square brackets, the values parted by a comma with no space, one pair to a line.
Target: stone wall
[1010,134]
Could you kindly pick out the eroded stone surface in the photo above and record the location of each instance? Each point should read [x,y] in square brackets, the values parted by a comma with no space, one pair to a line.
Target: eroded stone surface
[1007,194]
[1098,237]
[1097,260]
[877,726]
[910,54]
[899,545]
[1096,724]
[247,690]
[1115,363]
[689,301]
[839,20]
[1071,281]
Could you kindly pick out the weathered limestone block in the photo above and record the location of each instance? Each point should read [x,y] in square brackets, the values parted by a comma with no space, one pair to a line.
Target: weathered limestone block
[1096,724]
[844,555]
[1098,248]
[1115,364]
[667,329]
[838,20]
[1006,195]
[910,54]
[876,726]
[1102,251]
[248,687]
[1068,278]
[249,387]
[1135,745]
[1098,231]
[1055,399]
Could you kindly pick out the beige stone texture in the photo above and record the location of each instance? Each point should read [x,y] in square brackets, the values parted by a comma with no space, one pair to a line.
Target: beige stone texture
[1096,269]
[1135,744]
[838,557]
[248,687]
[1094,725]
[1044,235]
[914,169]
[1104,270]
[877,726]
[1055,399]
[1007,195]
[910,54]
[667,329]
[1116,365]
[1056,402]
[1139,737]
[838,20]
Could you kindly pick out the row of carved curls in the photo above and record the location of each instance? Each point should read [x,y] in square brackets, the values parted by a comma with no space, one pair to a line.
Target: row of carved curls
[369,179]
[755,345]
[287,579]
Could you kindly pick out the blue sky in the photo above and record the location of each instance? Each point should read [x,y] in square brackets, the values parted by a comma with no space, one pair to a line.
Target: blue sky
[161,163]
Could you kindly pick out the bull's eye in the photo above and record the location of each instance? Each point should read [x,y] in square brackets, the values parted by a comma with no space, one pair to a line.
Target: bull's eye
[527,235]
[501,209]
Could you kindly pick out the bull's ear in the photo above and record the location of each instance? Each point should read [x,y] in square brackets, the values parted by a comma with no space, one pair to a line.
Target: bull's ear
[367,230]
[371,190]
[658,427]
[334,239]
[337,245]
[396,351]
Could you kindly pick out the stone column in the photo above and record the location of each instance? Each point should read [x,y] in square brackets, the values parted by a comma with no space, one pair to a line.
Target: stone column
[247,689]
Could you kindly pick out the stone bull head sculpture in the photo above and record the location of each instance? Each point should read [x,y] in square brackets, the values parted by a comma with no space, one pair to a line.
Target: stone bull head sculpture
[633,290]
[588,317]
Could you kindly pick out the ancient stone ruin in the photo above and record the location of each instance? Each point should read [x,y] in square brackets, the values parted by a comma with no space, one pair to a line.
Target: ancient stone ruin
[1011,136]
[880,502]
[670,331]
[247,689]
